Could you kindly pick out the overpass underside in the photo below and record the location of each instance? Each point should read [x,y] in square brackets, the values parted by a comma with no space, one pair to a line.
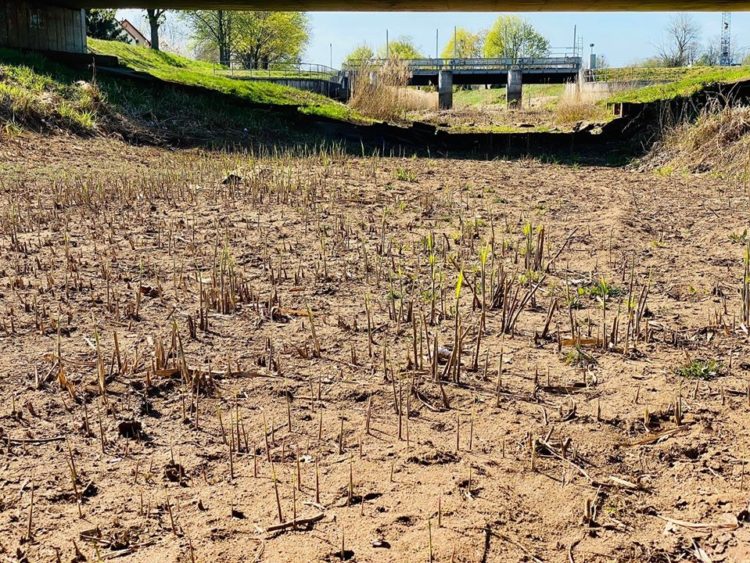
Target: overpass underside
[417,5]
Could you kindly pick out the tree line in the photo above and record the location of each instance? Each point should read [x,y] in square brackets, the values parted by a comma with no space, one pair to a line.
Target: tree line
[509,37]
[682,45]
[260,39]
[252,40]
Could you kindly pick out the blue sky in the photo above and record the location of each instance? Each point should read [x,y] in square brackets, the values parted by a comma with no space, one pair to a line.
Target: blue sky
[622,38]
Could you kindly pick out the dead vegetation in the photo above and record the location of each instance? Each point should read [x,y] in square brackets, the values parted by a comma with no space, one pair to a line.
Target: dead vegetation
[268,356]
[717,142]
[383,92]
[571,111]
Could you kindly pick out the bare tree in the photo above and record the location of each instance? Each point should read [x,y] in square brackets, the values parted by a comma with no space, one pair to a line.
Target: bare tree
[680,47]
[711,54]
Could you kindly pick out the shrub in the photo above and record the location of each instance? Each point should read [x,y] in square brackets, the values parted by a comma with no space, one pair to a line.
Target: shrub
[700,369]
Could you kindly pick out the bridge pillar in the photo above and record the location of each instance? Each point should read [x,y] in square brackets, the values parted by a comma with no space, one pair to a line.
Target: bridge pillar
[445,89]
[346,88]
[514,88]
[27,24]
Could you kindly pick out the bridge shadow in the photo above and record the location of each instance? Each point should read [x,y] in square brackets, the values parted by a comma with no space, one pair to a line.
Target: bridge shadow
[612,146]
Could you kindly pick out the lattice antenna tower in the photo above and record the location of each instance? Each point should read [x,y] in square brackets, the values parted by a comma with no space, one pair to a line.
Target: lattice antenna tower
[725,54]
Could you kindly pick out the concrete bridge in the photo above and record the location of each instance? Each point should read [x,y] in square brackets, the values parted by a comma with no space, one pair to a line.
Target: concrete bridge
[59,25]
[509,72]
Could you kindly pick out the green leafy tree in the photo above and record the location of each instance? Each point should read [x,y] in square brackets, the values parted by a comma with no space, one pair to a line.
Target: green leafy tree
[513,38]
[261,39]
[155,17]
[255,39]
[213,33]
[360,55]
[402,48]
[103,24]
[463,44]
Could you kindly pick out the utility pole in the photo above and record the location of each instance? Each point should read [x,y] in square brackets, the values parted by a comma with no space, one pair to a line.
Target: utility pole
[437,49]
[455,43]
[331,65]
[387,46]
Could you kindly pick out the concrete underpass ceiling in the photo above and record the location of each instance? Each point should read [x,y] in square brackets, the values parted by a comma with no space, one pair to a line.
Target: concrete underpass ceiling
[420,5]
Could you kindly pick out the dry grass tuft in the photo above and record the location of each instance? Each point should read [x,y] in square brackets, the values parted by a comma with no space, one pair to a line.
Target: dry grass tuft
[718,141]
[568,112]
[382,93]
[583,102]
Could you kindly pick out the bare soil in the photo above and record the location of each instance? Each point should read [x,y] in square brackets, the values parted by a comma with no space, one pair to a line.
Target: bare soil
[185,353]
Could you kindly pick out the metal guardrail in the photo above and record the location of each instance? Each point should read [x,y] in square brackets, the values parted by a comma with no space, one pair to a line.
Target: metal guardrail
[300,70]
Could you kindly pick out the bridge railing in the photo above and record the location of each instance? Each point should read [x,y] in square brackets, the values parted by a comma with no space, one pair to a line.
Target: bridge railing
[291,71]
[566,63]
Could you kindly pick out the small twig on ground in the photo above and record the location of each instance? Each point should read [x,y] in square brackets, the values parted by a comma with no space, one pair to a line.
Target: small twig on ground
[296,523]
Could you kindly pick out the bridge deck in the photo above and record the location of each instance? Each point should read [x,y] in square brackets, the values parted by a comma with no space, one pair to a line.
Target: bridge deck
[564,64]
[485,71]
